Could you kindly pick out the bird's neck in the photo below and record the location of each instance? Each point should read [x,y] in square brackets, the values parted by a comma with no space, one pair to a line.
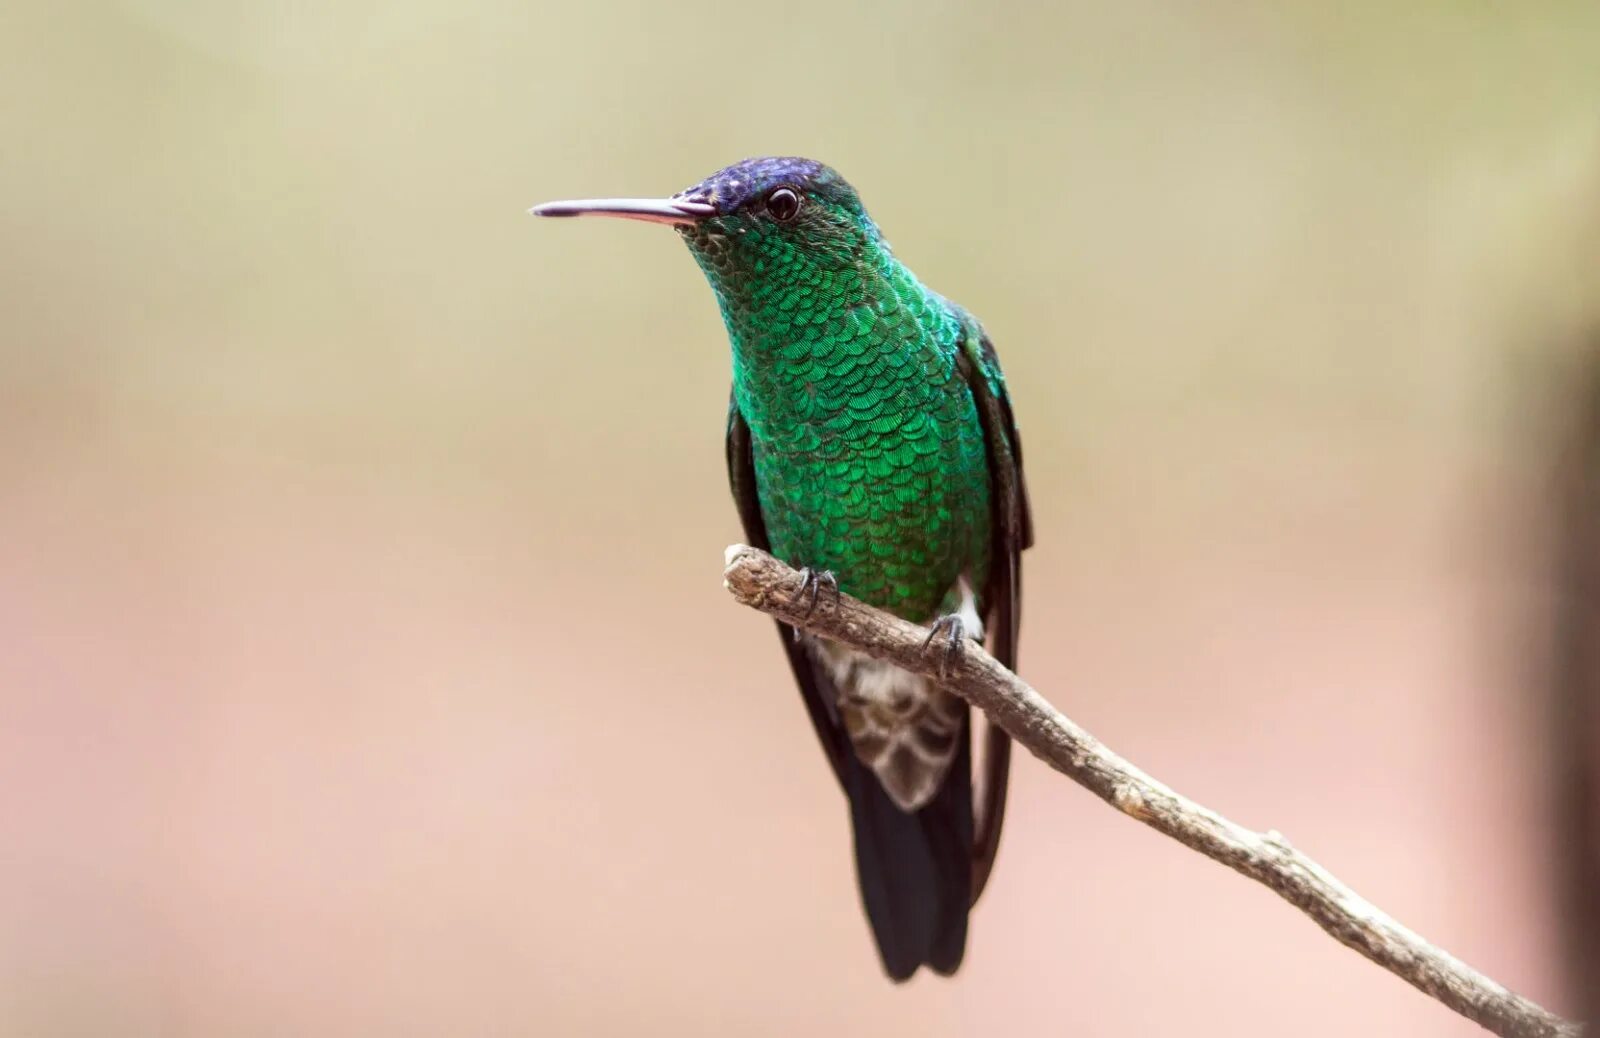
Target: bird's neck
[805,347]
[772,302]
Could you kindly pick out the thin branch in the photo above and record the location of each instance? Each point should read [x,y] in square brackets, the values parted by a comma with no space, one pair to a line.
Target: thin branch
[757,579]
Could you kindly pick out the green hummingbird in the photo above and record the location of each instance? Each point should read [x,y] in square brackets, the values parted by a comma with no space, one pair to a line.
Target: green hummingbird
[870,443]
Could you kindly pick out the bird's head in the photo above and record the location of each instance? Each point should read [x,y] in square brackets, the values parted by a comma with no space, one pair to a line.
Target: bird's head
[757,225]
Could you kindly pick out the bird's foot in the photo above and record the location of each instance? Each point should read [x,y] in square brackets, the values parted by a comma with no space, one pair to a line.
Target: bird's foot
[812,583]
[951,630]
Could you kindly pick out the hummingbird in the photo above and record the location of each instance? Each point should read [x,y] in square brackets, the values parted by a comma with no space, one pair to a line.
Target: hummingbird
[870,444]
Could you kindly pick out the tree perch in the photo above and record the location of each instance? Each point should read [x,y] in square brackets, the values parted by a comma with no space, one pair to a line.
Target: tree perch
[758,580]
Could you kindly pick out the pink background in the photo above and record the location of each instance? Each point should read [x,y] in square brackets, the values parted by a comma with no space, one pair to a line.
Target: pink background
[364,667]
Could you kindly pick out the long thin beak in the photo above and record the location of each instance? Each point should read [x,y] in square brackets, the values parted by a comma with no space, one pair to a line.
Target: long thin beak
[650,210]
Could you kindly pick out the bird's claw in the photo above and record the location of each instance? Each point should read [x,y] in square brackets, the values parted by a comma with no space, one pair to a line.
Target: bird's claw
[812,584]
[954,633]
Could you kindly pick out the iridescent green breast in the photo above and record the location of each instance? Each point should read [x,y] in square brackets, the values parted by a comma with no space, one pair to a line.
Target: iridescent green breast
[868,450]
[887,486]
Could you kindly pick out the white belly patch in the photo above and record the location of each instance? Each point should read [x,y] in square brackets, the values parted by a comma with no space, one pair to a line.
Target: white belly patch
[901,725]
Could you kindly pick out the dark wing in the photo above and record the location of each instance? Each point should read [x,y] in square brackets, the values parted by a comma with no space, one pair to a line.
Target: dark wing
[1011,525]
[818,697]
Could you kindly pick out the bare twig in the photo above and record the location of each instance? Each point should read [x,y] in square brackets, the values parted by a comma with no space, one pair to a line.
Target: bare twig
[757,579]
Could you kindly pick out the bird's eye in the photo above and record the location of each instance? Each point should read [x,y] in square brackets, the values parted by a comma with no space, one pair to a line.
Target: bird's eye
[783,204]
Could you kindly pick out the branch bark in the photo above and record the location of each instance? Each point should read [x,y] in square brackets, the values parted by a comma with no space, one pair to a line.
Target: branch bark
[759,580]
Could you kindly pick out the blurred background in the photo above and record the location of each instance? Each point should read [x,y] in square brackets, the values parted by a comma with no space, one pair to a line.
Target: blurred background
[364,665]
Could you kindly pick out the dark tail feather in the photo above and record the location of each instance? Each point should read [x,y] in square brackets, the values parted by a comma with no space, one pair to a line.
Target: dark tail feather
[915,870]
